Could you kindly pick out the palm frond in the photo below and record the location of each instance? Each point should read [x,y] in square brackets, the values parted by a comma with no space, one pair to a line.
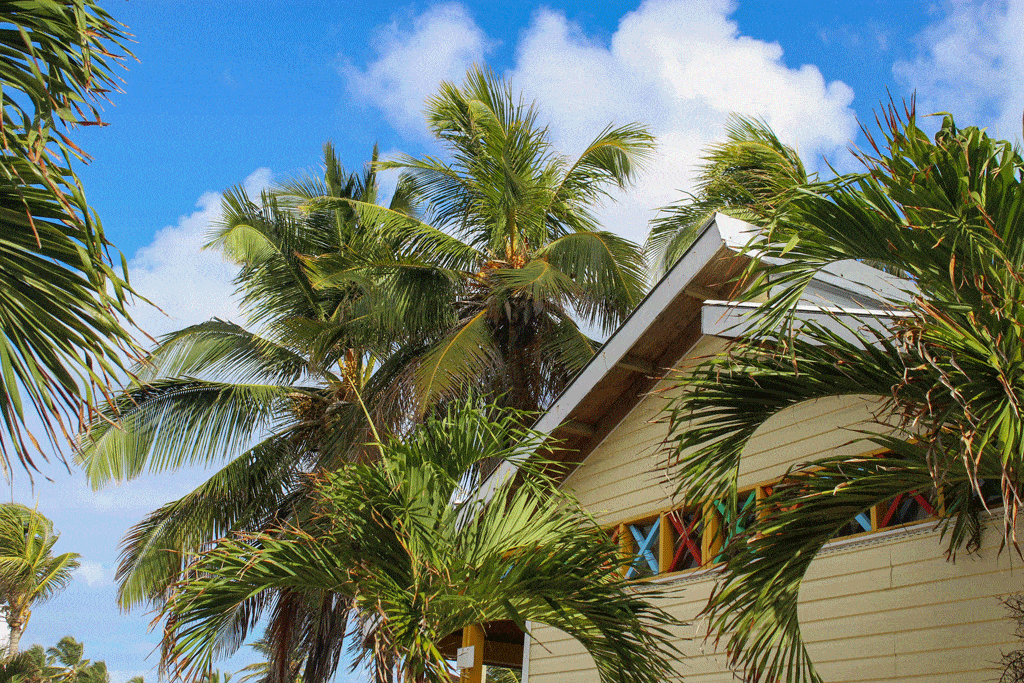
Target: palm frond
[749,176]
[422,559]
[609,271]
[248,494]
[615,157]
[169,423]
[453,365]
[64,309]
[418,238]
[222,349]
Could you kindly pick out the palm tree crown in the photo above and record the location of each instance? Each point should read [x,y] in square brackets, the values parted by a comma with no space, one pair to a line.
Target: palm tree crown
[949,213]
[65,662]
[29,571]
[422,557]
[516,258]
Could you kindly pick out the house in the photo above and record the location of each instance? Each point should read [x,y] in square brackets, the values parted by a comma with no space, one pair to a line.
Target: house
[881,603]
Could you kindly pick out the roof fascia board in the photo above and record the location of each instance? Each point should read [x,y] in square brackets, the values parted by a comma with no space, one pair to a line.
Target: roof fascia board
[700,253]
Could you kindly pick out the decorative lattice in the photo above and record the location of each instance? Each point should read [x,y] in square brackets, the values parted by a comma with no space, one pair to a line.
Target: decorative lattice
[646,537]
[689,527]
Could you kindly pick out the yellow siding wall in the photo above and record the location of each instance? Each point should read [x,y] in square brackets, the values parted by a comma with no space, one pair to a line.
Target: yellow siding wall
[874,608]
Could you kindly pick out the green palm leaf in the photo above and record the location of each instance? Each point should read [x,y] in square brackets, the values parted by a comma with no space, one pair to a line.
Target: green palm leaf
[63,304]
[456,360]
[948,214]
[168,423]
[422,559]
[249,493]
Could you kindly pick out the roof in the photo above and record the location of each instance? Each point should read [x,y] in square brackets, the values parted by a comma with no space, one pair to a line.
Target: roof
[693,299]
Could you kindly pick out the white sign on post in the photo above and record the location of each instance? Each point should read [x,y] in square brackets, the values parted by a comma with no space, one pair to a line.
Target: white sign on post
[465,656]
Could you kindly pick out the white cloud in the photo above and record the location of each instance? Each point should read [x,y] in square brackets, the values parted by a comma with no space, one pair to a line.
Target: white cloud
[680,66]
[94,574]
[972,65]
[189,284]
[136,497]
[441,44]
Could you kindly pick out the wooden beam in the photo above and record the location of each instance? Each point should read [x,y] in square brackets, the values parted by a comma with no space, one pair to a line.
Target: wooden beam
[711,541]
[503,654]
[637,364]
[578,428]
[666,544]
[701,293]
[473,636]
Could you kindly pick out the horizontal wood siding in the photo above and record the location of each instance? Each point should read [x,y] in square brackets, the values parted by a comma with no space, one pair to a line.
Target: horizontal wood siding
[888,608]
[875,608]
[622,477]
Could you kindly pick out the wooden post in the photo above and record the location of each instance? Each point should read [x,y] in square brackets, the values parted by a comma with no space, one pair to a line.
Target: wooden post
[473,636]
[711,542]
[666,544]
[762,493]
[626,548]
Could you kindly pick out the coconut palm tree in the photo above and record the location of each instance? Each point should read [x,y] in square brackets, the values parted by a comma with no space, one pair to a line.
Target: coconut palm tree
[28,666]
[512,258]
[65,663]
[29,571]
[354,299]
[262,671]
[276,404]
[58,664]
[747,177]
[948,212]
[62,307]
[422,556]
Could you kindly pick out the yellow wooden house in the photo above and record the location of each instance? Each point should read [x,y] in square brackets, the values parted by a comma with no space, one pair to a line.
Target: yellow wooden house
[881,603]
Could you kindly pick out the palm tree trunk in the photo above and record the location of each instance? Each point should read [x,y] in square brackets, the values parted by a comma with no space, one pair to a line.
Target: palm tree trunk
[16,627]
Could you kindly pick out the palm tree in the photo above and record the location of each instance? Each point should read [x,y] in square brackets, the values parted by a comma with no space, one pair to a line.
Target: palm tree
[65,663]
[63,306]
[422,556]
[62,663]
[748,176]
[948,212]
[262,672]
[510,257]
[28,666]
[353,298]
[29,571]
[276,404]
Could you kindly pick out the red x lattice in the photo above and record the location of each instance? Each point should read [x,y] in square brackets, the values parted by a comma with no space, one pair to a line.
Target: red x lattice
[922,501]
[686,535]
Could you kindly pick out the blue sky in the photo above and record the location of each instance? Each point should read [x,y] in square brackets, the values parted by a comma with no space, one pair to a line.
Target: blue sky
[231,92]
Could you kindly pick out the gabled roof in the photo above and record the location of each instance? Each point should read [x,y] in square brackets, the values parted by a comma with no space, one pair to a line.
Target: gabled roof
[673,317]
